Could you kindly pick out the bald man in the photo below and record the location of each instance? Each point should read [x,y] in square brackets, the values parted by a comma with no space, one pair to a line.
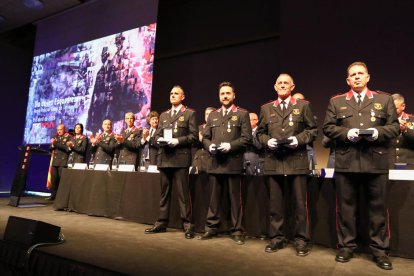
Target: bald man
[60,157]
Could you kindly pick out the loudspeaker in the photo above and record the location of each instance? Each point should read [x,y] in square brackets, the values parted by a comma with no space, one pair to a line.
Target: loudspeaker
[29,232]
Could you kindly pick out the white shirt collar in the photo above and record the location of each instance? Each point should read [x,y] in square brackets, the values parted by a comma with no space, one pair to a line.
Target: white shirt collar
[362,94]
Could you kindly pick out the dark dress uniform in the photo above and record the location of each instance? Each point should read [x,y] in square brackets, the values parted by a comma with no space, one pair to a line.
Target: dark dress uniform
[201,156]
[104,150]
[402,150]
[60,160]
[226,168]
[361,163]
[129,149]
[287,164]
[173,163]
[79,148]
[254,156]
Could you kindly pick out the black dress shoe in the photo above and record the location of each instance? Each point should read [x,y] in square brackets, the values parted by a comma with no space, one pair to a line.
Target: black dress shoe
[189,234]
[155,230]
[343,256]
[208,235]
[383,262]
[50,198]
[239,239]
[274,247]
[302,249]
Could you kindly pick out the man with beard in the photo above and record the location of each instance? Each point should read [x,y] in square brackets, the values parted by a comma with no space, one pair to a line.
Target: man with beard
[226,135]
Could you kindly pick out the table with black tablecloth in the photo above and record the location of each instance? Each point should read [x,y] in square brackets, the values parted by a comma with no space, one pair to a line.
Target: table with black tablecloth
[135,196]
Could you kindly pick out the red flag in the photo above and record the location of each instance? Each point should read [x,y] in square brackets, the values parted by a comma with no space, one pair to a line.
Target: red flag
[49,173]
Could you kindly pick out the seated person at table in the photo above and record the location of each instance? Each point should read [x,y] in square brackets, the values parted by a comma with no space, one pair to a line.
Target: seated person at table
[128,142]
[103,144]
[402,150]
[78,144]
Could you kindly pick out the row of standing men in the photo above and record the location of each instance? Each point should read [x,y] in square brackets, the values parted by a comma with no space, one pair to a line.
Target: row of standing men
[361,123]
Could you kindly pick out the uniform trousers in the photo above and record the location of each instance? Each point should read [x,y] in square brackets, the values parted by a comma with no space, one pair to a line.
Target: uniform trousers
[217,182]
[347,188]
[297,189]
[178,177]
[56,174]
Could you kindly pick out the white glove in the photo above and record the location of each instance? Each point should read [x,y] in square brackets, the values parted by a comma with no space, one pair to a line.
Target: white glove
[212,149]
[374,135]
[224,147]
[272,143]
[292,144]
[173,142]
[352,135]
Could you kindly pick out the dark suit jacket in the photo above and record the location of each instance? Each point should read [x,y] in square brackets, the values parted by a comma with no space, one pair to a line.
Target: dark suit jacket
[298,121]
[184,126]
[377,111]
[104,150]
[402,149]
[61,151]
[234,128]
[129,149]
[79,148]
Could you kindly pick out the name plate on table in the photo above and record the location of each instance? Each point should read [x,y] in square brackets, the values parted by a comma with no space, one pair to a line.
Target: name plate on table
[101,167]
[80,166]
[401,175]
[126,168]
[153,169]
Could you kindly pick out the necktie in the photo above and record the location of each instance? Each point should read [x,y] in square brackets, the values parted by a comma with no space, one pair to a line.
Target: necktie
[283,106]
[174,113]
[359,102]
[151,132]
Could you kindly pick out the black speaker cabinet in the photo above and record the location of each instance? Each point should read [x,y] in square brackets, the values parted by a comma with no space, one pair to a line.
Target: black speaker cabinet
[29,232]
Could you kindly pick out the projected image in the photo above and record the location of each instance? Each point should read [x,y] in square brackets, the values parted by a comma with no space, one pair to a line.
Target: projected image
[91,81]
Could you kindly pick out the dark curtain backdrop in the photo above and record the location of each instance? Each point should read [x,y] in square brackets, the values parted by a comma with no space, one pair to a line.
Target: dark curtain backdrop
[201,43]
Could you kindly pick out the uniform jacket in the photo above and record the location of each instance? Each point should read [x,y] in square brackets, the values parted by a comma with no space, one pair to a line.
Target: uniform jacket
[61,151]
[104,150]
[129,149]
[201,156]
[402,150]
[234,128]
[184,126]
[377,111]
[298,121]
[79,148]
[253,157]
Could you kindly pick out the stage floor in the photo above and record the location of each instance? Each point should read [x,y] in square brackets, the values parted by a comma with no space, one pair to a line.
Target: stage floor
[123,247]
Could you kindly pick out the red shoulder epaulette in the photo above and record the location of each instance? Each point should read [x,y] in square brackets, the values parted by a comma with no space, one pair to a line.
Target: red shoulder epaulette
[241,109]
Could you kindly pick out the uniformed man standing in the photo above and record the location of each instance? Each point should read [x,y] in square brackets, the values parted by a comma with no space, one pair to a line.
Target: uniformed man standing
[286,126]
[176,132]
[128,142]
[226,135]
[362,123]
[60,157]
[403,146]
[103,144]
